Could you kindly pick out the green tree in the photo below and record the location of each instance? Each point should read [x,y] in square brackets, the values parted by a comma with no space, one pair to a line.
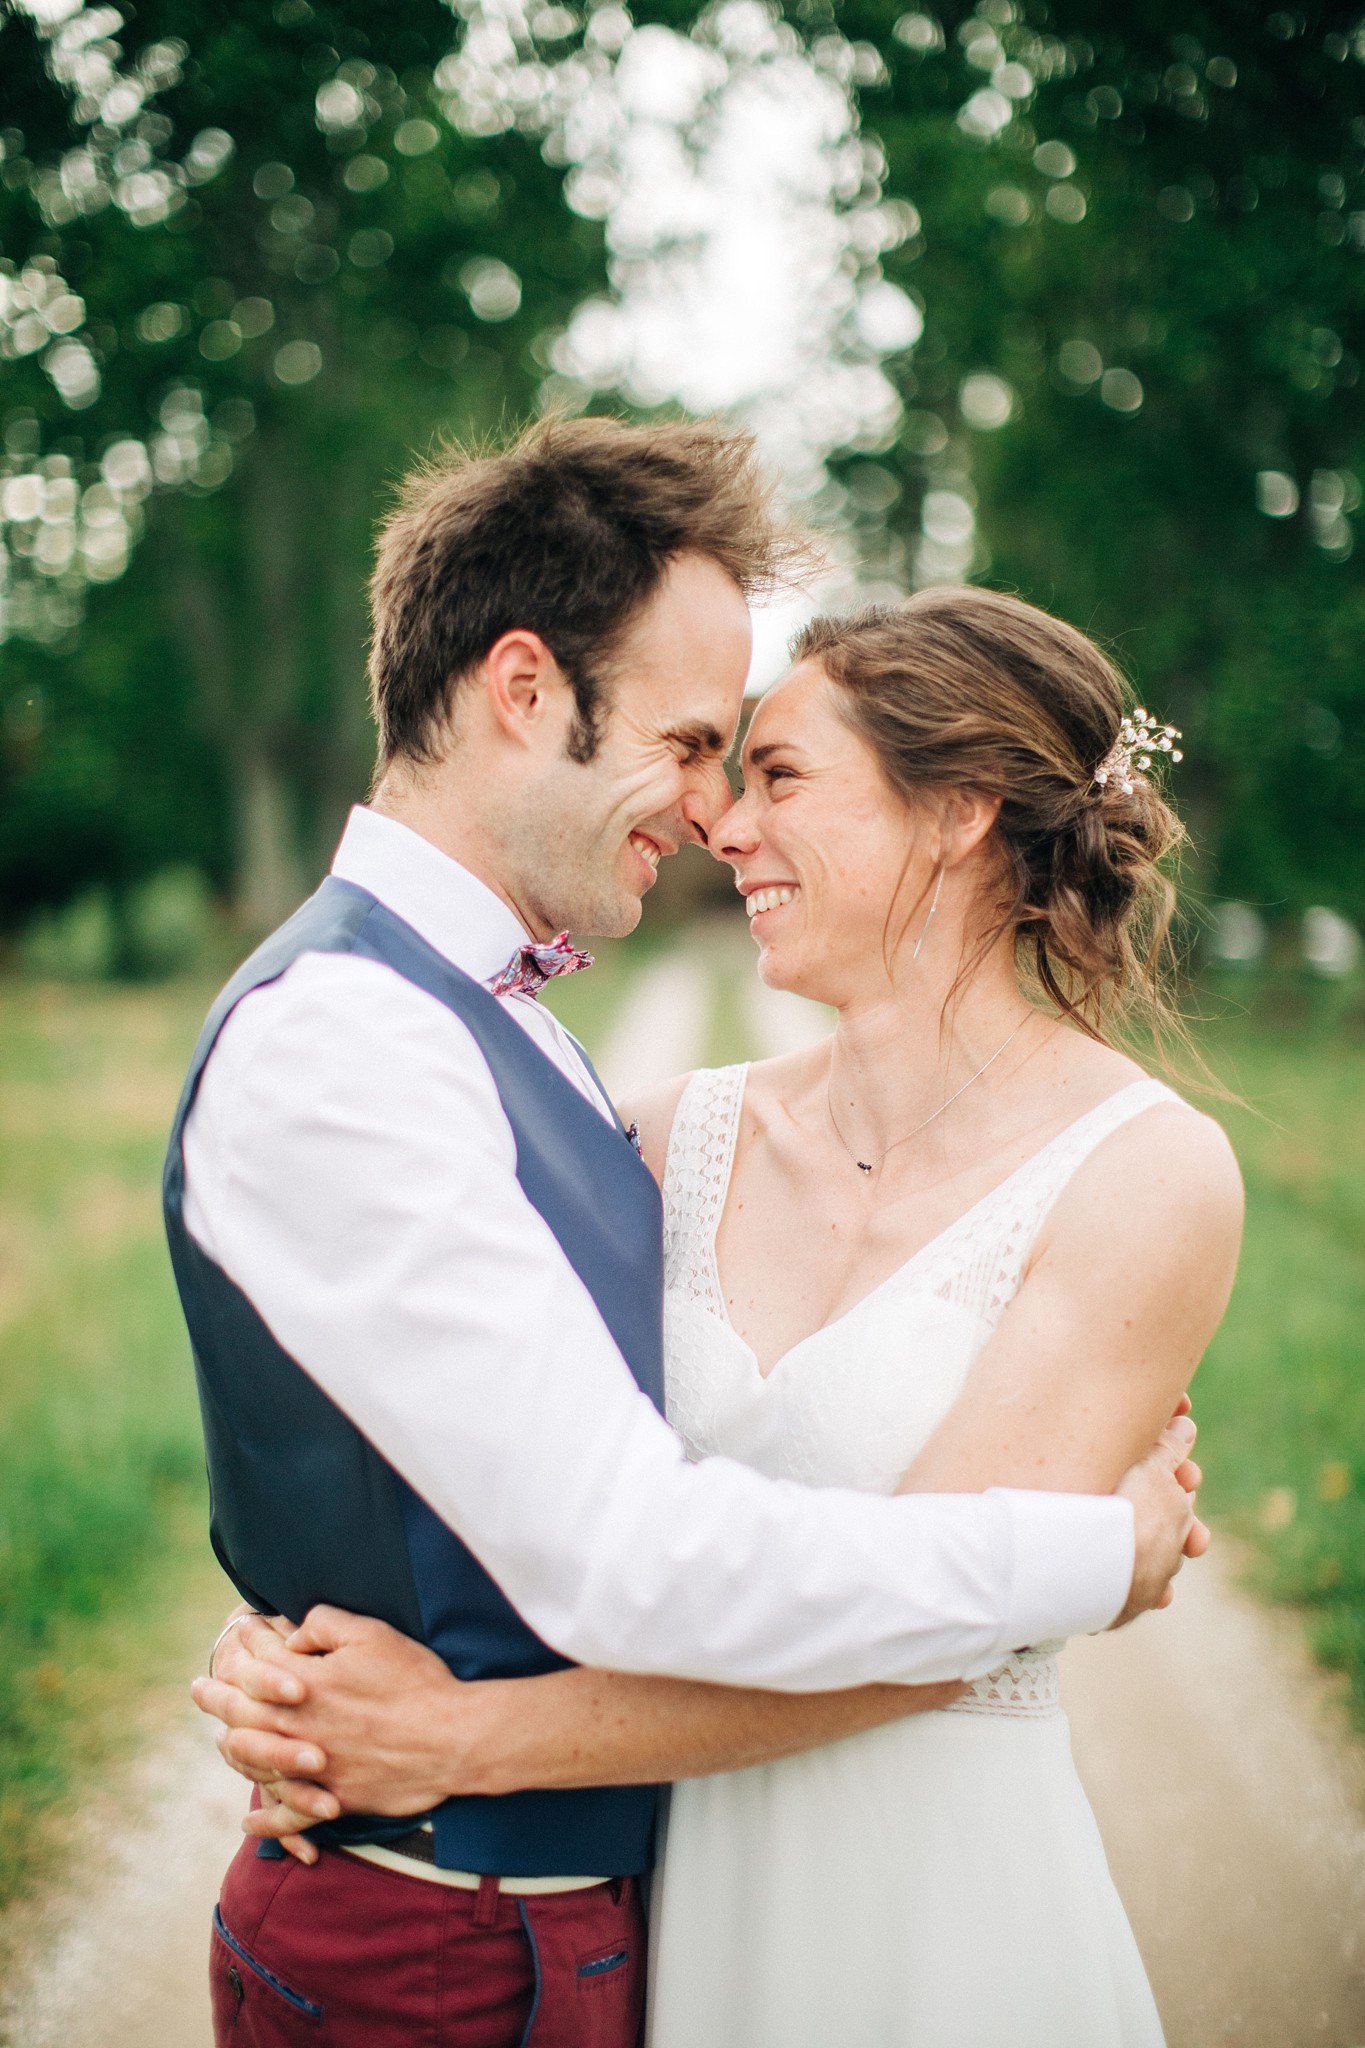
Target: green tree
[1143,268]
[249,267]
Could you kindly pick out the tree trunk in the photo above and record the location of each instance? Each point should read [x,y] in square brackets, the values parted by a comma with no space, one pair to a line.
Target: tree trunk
[270,879]
[345,764]
[203,608]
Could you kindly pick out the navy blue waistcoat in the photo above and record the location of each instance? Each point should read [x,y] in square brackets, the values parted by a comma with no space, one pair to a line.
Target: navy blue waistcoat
[304,1509]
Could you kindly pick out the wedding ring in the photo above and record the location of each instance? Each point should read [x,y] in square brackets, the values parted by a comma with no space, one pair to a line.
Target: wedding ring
[224,1633]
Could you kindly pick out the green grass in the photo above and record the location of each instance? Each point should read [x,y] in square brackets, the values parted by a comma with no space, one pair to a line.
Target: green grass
[1281,1396]
[101,1472]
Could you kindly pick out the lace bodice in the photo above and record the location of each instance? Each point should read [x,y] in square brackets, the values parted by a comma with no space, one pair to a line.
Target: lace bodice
[851,1404]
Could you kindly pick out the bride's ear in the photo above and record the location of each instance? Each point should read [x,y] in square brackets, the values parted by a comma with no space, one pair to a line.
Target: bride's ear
[968,819]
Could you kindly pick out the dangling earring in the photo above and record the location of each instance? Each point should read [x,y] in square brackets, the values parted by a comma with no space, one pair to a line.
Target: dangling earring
[938,891]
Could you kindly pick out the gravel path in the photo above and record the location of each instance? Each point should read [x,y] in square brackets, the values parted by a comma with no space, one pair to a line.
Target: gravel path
[1232,1806]
[119,1959]
[1233,1810]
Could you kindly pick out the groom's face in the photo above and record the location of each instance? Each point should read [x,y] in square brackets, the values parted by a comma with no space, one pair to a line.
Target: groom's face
[657,780]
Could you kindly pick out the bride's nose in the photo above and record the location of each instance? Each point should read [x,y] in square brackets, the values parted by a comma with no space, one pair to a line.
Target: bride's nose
[734,836]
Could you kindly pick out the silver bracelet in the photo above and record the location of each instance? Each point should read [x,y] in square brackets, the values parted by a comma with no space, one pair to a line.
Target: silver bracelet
[224,1633]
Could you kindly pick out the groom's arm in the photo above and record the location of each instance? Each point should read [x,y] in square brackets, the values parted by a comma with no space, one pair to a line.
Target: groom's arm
[350,1167]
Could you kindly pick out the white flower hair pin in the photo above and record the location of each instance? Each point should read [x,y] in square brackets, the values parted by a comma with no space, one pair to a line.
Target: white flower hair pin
[1141,738]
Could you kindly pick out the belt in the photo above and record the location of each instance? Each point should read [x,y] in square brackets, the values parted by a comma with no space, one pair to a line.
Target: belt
[414,1855]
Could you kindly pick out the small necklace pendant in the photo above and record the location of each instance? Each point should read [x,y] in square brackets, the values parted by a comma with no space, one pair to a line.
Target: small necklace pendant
[862,1165]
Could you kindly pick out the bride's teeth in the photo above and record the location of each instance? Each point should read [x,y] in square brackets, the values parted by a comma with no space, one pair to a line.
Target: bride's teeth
[768,899]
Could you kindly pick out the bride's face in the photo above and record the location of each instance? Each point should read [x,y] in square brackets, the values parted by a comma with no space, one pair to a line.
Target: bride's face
[830,861]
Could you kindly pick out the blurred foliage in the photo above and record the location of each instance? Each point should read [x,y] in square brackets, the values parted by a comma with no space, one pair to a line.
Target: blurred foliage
[273,258]
[266,263]
[1149,224]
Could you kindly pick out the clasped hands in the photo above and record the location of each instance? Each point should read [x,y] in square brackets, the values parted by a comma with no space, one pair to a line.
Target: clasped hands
[342,1715]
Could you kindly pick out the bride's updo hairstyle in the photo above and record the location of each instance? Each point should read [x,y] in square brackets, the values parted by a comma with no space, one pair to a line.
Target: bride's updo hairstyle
[960,688]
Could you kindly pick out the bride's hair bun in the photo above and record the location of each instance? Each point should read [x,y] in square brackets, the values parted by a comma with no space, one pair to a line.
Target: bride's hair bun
[970,689]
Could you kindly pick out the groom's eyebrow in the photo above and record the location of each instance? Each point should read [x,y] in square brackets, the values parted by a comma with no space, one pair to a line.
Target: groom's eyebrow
[698,736]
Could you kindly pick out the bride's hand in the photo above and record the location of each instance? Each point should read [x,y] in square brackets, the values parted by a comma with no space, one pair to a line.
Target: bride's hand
[343,1715]
[1191,1477]
[1167,1530]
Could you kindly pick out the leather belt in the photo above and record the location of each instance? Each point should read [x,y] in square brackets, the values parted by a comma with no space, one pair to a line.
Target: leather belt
[419,1843]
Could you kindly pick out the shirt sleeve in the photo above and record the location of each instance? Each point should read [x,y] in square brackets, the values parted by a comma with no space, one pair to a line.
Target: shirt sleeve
[349,1165]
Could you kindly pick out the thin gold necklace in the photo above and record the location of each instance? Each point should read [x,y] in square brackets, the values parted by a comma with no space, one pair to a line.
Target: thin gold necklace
[873,1165]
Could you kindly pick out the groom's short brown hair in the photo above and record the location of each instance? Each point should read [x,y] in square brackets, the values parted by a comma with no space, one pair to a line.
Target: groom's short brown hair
[565,532]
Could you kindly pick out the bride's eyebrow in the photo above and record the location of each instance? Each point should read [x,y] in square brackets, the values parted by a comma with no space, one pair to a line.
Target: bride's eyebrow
[757,757]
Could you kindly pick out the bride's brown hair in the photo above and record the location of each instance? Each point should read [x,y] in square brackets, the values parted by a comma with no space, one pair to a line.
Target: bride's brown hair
[960,688]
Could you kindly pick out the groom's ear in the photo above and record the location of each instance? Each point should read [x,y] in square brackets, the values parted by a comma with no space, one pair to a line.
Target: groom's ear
[526,693]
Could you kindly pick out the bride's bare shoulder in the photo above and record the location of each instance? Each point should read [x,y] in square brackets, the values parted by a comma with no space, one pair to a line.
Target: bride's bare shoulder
[1166,1178]
[776,1083]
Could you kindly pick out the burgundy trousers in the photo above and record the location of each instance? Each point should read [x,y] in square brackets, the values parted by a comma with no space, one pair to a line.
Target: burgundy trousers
[355,1956]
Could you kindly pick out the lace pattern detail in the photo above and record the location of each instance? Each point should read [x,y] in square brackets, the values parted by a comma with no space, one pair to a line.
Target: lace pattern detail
[979,1261]
[701,1152]
[1025,1687]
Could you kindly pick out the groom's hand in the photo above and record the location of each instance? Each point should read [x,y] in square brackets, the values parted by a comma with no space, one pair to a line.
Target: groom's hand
[344,1714]
[1162,1492]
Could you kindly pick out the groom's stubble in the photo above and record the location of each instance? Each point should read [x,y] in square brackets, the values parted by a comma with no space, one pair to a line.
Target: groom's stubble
[669,703]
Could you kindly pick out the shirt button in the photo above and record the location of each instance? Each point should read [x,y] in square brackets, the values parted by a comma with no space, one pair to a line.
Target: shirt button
[235,1980]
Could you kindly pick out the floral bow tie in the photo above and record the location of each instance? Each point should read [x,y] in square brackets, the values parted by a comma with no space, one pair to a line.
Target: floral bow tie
[530,967]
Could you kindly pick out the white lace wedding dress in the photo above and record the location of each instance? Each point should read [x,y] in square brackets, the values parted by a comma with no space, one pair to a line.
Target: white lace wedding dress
[939,1883]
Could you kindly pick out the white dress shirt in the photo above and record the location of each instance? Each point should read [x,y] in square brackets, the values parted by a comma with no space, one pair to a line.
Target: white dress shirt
[350,1166]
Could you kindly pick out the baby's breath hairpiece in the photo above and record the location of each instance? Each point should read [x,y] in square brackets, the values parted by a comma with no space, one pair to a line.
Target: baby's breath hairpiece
[1141,737]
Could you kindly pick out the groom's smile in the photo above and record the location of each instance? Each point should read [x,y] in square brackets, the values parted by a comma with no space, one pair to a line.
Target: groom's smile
[673,688]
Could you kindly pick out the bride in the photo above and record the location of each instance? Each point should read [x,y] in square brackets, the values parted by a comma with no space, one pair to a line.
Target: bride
[964,1242]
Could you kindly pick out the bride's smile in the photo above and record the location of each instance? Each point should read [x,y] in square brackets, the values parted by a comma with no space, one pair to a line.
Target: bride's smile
[831,867]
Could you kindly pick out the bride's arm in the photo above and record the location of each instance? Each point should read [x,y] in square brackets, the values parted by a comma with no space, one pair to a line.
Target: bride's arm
[1126,1287]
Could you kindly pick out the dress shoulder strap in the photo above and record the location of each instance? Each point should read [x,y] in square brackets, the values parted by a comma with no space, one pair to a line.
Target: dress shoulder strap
[1056,1164]
[1030,1194]
[701,1151]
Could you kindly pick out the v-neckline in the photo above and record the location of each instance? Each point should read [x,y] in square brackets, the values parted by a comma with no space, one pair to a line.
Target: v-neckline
[931,1244]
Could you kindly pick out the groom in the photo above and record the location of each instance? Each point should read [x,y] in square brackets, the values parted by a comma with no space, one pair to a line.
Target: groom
[420,1262]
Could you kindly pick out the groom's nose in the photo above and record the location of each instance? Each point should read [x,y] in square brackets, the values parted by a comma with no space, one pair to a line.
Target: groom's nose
[708,799]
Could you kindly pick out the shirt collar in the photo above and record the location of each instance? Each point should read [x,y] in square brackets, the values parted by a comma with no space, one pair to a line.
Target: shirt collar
[450,908]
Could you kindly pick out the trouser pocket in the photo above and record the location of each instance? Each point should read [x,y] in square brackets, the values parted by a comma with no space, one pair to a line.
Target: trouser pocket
[589,1950]
[252,2006]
